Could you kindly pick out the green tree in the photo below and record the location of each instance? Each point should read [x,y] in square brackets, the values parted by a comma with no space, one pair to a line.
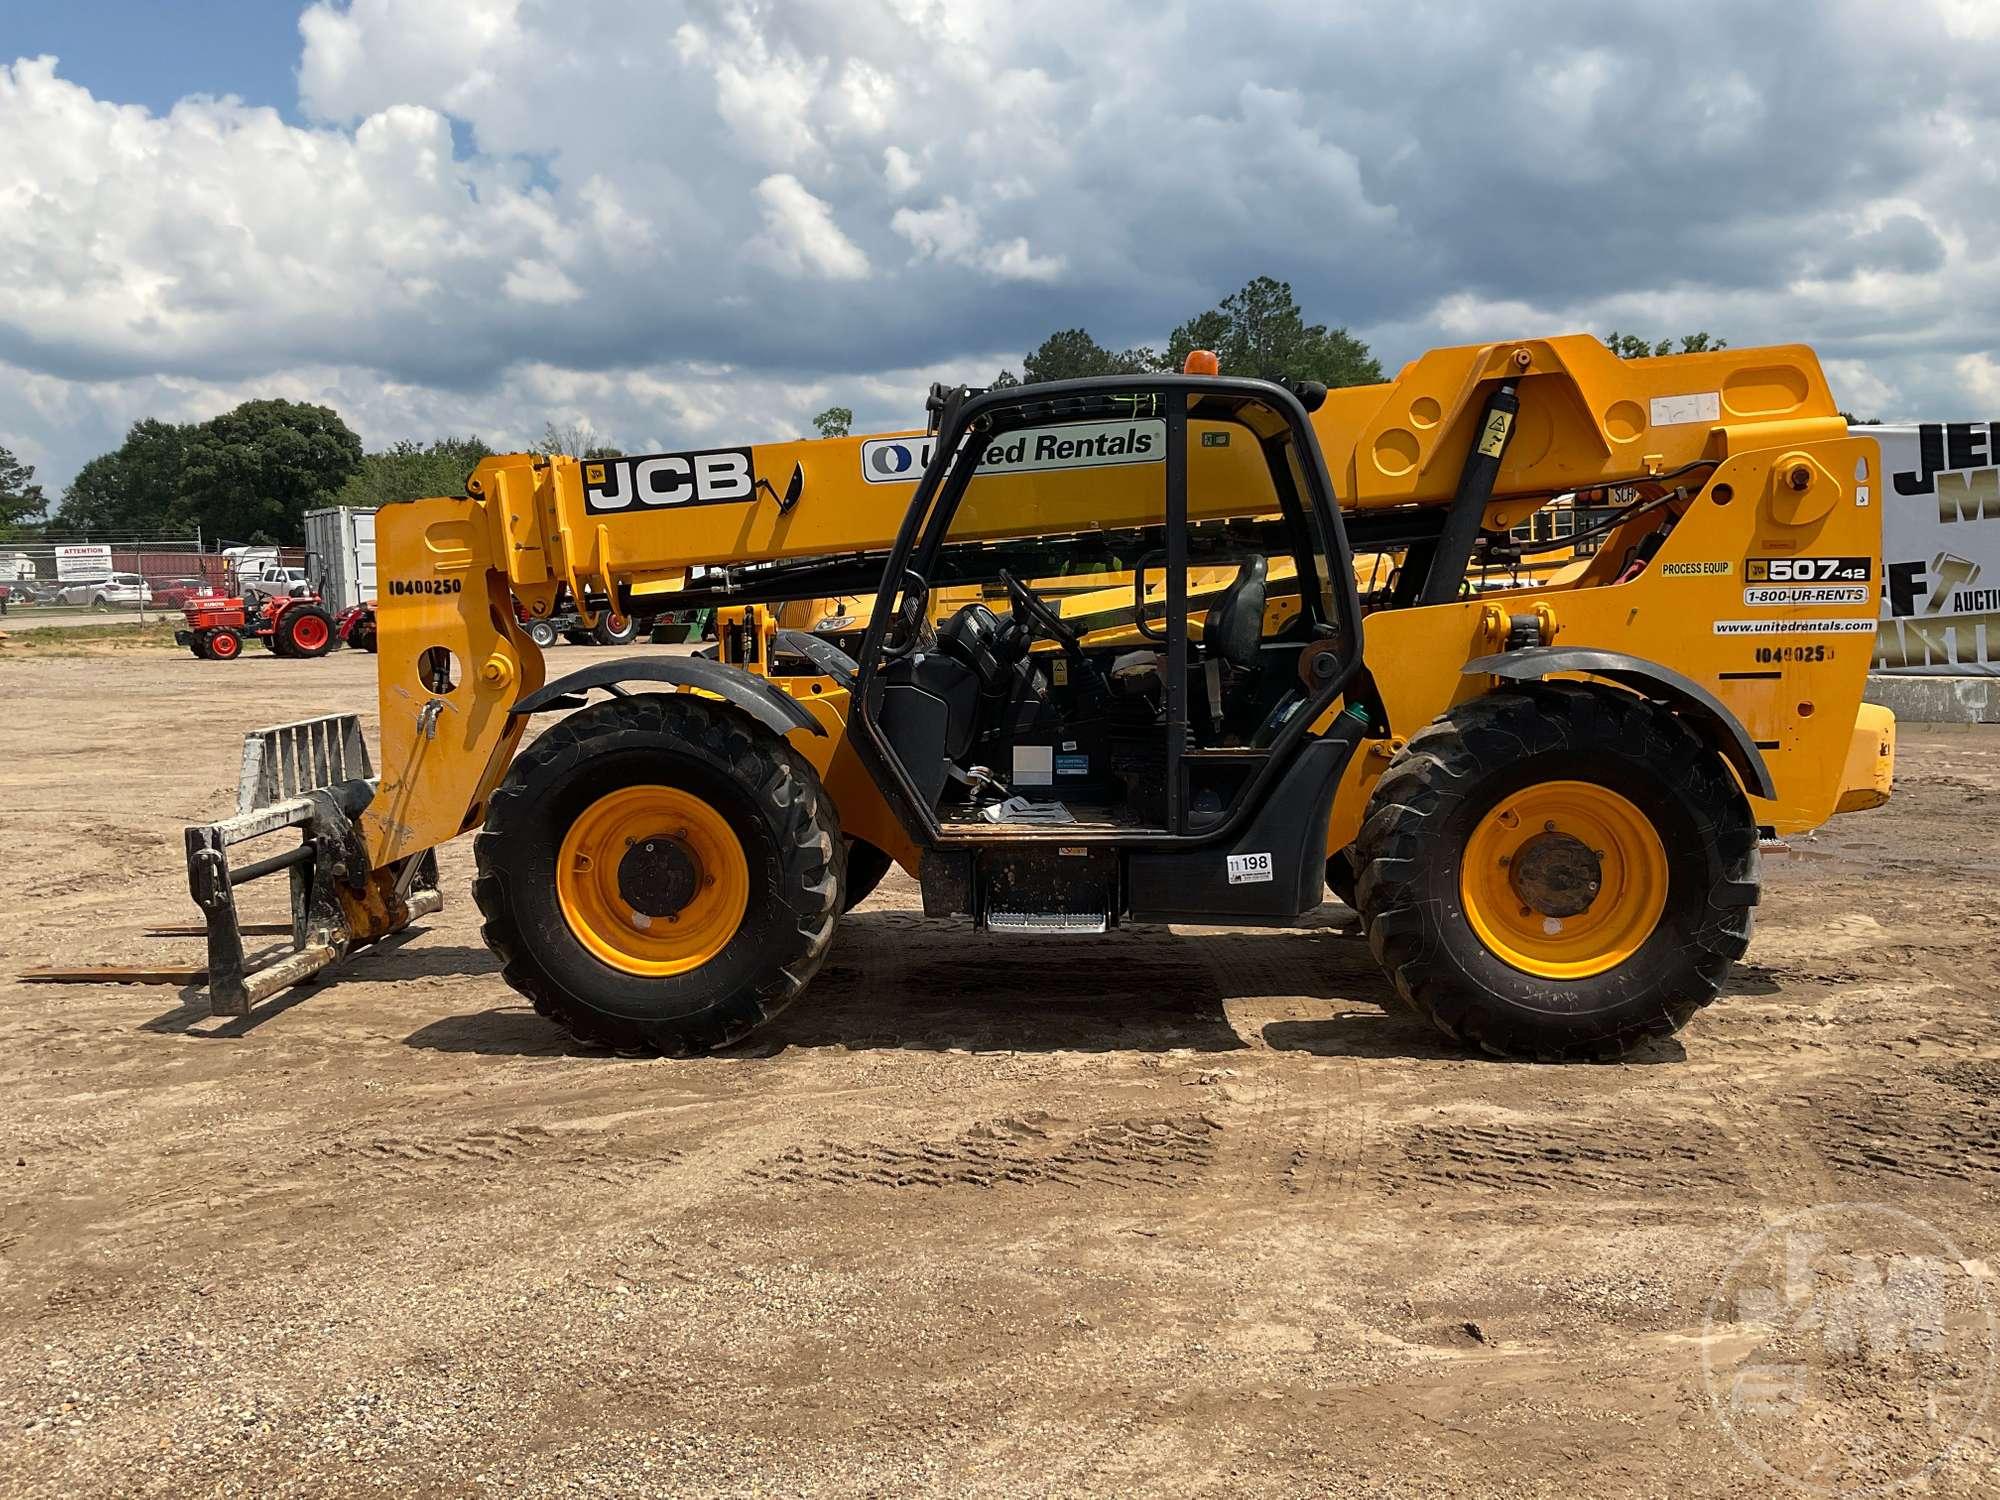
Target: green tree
[21,499]
[251,474]
[409,470]
[1260,331]
[1073,354]
[834,422]
[1256,331]
[1631,346]
[135,488]
[578,439]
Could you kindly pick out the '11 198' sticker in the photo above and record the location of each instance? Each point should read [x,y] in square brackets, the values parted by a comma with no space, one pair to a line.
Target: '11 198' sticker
[1249,869]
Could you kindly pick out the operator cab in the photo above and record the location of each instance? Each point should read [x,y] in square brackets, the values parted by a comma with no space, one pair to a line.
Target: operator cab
[1087,631]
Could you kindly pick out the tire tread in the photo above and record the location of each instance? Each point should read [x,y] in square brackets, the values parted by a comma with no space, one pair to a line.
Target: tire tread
[788,792]
[1400,838]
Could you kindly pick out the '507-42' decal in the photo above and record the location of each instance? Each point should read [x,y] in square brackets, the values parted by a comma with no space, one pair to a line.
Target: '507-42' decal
[1808,569]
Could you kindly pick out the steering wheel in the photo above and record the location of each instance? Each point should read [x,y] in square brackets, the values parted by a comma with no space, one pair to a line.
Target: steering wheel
[1038,610]
[910,631]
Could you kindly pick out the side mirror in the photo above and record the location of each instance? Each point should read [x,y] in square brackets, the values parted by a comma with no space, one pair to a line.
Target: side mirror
[794,487]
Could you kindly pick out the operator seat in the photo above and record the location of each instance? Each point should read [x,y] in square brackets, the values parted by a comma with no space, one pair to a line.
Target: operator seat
[1235,624]
[1229,647]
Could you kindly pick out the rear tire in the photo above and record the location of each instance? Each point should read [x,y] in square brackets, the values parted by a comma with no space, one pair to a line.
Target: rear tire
[1683,842]
[604,633]
[739,777]
[304,630]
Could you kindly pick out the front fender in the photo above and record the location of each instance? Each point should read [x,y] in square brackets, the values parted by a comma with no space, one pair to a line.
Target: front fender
[776,711]
[1704,712]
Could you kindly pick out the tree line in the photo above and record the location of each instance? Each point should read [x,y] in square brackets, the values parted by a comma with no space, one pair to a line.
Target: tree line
[1259,331]
[251,474]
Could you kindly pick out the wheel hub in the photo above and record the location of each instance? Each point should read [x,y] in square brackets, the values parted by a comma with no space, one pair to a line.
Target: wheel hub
[1557,874]
[1563,879]
[652,880]
[659,875]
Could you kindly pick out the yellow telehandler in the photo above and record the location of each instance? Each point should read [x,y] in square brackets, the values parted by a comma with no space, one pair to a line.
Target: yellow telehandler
[1544,802]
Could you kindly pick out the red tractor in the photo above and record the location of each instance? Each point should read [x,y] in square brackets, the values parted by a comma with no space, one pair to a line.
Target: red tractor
[356,626]
[217,628]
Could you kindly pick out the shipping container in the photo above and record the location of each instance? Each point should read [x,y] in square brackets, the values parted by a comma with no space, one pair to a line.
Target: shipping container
[340,555]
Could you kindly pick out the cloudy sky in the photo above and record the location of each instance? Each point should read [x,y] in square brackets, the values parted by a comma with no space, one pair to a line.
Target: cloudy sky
[706,220]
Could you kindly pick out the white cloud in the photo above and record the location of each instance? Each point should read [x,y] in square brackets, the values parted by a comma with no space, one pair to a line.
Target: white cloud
[800,237]
[899,171]
[951,232]
[371,54]
[1978,376]
[540,282]
[499,210]
[1014,261]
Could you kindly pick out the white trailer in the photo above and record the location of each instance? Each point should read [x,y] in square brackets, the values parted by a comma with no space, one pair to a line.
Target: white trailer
[340,555]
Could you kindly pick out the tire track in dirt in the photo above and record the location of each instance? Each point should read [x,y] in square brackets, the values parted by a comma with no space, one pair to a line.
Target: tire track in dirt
[1527,1155]
[1929,1136]
[1299,1127]
[1164,1153]
[363,1162]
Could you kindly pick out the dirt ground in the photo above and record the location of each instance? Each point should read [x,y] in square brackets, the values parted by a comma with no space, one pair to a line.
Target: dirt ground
[1167,1212]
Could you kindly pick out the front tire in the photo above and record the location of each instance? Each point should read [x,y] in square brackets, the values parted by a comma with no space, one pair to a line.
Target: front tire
[658,872]
[1557,870]
[542,633]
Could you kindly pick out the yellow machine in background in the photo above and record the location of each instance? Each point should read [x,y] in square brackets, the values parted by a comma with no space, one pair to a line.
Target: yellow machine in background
[1108,661]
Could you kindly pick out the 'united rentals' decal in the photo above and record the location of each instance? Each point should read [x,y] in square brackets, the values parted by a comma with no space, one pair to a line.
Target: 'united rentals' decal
[1077,445]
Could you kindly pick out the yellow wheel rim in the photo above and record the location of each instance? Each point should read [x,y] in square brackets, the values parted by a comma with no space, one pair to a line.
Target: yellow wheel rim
[652,880]
[1564,879]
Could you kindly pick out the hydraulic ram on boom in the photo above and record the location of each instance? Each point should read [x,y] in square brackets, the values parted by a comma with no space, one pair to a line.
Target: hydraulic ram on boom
[1544,801]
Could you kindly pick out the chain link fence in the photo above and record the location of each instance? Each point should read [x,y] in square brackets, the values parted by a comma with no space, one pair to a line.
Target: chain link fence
[132,576]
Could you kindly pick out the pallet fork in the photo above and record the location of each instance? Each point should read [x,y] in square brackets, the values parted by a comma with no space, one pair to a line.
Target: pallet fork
[314,775]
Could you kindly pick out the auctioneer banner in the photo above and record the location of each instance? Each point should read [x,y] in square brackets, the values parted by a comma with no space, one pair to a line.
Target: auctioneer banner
[1940,548]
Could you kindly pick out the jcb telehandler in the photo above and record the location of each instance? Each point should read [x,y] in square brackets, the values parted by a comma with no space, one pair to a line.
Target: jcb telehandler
[1545,803]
